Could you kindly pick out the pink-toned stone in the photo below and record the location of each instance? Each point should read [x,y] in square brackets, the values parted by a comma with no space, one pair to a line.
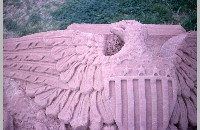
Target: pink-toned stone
[124,75]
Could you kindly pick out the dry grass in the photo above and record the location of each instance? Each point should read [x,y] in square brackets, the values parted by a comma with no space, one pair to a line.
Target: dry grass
[29,16]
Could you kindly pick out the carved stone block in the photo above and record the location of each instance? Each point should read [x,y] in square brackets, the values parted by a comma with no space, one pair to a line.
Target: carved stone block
[119,76]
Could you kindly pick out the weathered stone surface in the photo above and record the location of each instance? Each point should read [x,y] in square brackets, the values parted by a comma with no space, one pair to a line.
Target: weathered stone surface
[124,75]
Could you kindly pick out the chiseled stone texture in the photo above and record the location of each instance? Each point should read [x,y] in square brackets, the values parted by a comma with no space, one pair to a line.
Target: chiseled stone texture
[119,76]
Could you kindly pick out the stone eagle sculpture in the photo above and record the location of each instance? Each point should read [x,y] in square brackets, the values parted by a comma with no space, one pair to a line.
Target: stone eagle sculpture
[70,77]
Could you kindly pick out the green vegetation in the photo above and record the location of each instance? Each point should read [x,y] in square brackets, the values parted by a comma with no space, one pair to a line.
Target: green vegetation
[16,3]
[146,11]
[55,15]
[34,18]
[10,24]
[28,17]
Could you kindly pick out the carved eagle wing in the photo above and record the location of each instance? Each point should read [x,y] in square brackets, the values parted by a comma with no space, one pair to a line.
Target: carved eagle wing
[183,50]
[63,71]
